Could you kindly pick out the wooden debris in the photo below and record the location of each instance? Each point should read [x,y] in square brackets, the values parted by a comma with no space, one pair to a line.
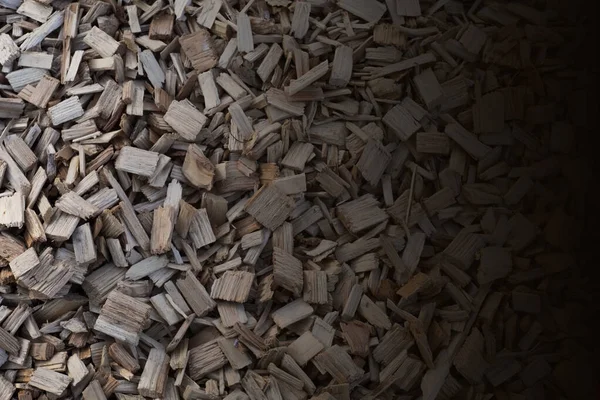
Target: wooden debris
[297,156]
[13,209]
[83,245]
[93,391]
[370,11]
[122,317]
[291,313]
[198,48]
[198,169]
[314,74]
[9,343]
[257,200]
[42,93]
[65,111]
[429,88]
[300,19]
[360,214]
[101,42]
[50,381]
[235,357]
[269,206]
[195,294]
[6,389]
[287,271]
[268,64]
[245,37]
[11,108]
[304,348]
[185,119]
[341,68]
[205,358]
[315,287]
[373,162]
[339,365]
[8,49]
[233,286]
[209,13]
[153,379]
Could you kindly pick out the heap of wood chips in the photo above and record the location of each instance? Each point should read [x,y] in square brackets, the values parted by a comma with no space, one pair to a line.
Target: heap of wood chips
[286,200]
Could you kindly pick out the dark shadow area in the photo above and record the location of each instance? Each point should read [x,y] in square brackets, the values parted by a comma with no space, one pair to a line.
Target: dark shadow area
[584,287]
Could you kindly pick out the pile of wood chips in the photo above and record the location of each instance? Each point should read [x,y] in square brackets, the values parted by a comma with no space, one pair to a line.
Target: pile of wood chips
[271,200]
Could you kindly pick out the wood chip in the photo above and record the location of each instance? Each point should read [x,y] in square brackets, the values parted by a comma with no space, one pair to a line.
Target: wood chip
[287,271]
[122,317]
[198,48]
[185,119]
[269,206]
[153,379]
[300,19]
[101,42]
[233,286]
[50,381]
[370,11]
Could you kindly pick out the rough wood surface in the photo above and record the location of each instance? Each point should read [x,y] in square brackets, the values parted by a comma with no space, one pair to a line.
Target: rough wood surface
[310,200]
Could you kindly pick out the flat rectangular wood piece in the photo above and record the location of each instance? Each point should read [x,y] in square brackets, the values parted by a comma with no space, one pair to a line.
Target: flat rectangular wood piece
[304,348]
[66,110]
[195,294]
[373,162]
[429,88]
[315,287]
[7,389]
[205,358]
[73,204]
[341,68]
[122,317]
[101,42]
[370,11]
[209,90]
[307,79]
[154,376]
[232,286]
[20,152]
[50,381]
[83,244]
[8,49]
[245,37]
[93,391]
[360,214]
[287,271]
[433,143]
[338,363]
[300,19]
[292,312]
[268,64]
[137,161]
[236,358]
[297,156]
[401,122]
[467,141]
[209,12]
[270,206]
[43,91]
[199,49]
